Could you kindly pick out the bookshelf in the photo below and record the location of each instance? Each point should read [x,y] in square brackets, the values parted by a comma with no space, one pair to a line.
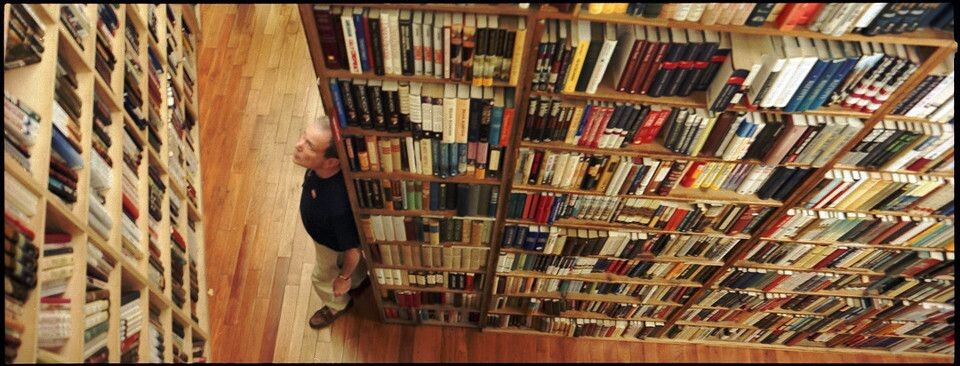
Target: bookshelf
[109,222]
[762,212]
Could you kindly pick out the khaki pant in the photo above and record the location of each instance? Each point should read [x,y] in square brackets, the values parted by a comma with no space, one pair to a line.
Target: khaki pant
[326,270]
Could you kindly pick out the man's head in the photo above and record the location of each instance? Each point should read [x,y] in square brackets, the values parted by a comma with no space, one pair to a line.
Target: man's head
[315,149]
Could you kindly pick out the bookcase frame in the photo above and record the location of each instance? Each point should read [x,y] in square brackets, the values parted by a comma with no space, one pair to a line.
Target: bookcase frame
[33,85]
[942,46]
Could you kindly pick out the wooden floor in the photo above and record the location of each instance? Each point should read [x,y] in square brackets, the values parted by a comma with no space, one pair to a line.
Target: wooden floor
[257,88]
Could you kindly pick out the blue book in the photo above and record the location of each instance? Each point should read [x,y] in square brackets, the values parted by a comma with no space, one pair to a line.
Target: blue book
[530,241]
[66,151]
[521,236]
[361,41]
[541,240]
[555,209]
[438,157]
[338,103]
[834,82]
[494,197]
[583,121]
[807,84]
[434,196]
[496,120]
[458,159]
[637,178]
[508,232]
[835,64]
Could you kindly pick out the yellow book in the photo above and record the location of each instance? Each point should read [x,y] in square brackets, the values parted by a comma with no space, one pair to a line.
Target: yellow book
[714,171]
[518,52]
[722,176]
[708,168]
[595,8]
[860,191]
[607,174]
[582,41]
[574,124]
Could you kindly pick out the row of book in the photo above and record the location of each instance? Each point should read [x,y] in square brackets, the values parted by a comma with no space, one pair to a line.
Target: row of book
[156,189]
[74,18]
[56,268]
[646,294]
[471,232]
[921,264]
[476,48]
[100,174]
[855,190]
[132,74]
[410,298]
[933,98]
[432,316]
[65,159]
[779,302]
[897,145]
[634,268]
[131,320]
[420,156]
[155,269]
[24,43]
[834,19]
[107,24]
[448,257]
[21,125]
[179,356]
[624,245]
[798,73]
[96,311]
[913,289]
[194,289]
[577,327]
[571,308]
[401,195]
[198,345]
[824,226]
[579,56]
[448,280]
[547,208]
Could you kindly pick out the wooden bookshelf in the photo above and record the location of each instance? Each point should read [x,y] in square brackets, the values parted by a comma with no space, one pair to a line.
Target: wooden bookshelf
[935,45]
[33,85]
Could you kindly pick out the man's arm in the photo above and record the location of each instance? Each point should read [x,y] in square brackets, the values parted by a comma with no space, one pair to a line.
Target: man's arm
[341,284]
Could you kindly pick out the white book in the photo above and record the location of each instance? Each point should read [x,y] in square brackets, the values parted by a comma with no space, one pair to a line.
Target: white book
[427,36]
[449,113]
[805,50]
[417,30]
[603,59]
[394,27]
[350,41]
[438,45]
[387,38]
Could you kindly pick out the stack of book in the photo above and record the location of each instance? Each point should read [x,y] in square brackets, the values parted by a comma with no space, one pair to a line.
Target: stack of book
[448,257]
[853,190]
[177,264]
[427,229]
[24,44]
[194,288]
[100,172]
[577,327]
[572,308]
[834,19]
[476,48]
[21,125]
[456,130]
[65,159]
[96,321]
[157,98]
[156,191]
[131,319]
[898,145]
[132,74]
[155,332]
[198,345]
[614,244]
[430,279]
[175,206]
[179,355]
[155,269]
[107,24]
[824,226]
[20,256]
[53,323]
[56,265]
[933,98]
[74,19]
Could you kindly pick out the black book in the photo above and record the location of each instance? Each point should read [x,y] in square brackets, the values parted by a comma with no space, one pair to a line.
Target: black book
[406,43]
[376,44]
[795,179]
[668,68]
[349,102]
[759,14]
[375,97]
[701,64]
[777,179]
[593,51]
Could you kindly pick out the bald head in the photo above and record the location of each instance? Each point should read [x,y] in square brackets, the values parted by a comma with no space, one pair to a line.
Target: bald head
[316,149]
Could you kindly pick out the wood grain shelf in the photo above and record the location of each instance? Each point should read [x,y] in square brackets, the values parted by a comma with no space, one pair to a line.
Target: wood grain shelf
[472,8]
[589,297]
[652,150]
[74,55]
[430,269]
[829,111]
[427,244]
[591,224]
[422,177]
[427,289]
[11,166]
[602,277]
[887,213]
[106,94]
[840,271]
[922,37]
[608,94]
[568,314]
[909,172]
[858,245]
[773,311]
[645,258]
[682,194]
[346,74]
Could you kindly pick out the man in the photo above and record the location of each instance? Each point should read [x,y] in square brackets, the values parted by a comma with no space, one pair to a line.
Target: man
[327,217]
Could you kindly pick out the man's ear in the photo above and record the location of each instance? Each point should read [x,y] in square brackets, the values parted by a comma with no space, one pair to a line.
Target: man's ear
[331,163]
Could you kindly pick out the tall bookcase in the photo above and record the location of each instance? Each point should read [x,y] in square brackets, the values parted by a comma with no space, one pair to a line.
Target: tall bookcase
[171,33]
[937,46]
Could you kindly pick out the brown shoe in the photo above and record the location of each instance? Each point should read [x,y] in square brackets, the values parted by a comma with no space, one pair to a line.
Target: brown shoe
[324,317]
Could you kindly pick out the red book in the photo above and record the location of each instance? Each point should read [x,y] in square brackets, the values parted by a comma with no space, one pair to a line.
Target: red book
[789,16]
[743,220]
[688,178]
[592,120]
[777,225]
[535,167]
[892,229]
[56,238]
[829,258]
[615,266]
[919,266]
[775,282]
[676,218]
[130,207]
[178,239]
[469,285]
[918,165]
[633,61]
[506,125]
[368,39]
[601,126]
[655,66]
[125,345]
[530,201]
[654,129]
[646,125]
[20,227]
[544,210]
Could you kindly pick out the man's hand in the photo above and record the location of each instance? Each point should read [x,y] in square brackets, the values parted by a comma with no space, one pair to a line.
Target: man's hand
[340,286]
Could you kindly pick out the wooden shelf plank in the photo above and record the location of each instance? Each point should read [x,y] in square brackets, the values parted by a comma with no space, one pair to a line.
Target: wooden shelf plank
[589,297]
[603,277]
[589,224]
[455,8]
[646,258]
[909,172]
[431,269]
[369,75]
[682,194]
[652,150]
[428,289]
[606,93]
[858,245]
[422,177]
[11,166]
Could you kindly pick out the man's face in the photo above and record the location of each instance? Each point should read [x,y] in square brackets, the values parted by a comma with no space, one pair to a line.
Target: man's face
[309,150]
